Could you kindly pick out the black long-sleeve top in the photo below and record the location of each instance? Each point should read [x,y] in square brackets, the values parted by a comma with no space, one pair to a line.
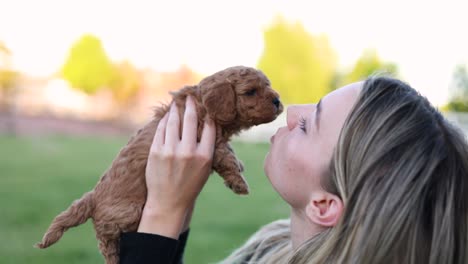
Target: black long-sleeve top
[142,248]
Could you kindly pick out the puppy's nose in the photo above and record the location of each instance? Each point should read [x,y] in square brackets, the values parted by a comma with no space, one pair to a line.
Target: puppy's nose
[276,101]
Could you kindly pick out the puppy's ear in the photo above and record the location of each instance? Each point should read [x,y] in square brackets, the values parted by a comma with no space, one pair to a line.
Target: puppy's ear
[220,100]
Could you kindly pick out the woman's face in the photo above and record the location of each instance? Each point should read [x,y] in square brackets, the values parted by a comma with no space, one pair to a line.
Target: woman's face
[301,151]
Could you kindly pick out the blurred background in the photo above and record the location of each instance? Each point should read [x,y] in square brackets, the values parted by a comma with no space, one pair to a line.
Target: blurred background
[77,78]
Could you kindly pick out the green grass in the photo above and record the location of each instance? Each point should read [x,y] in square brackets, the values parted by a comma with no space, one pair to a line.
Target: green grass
[41,176]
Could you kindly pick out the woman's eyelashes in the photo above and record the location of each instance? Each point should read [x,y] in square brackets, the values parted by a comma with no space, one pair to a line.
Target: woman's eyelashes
[302,124]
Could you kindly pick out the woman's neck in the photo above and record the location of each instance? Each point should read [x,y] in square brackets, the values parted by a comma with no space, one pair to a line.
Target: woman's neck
[302,228]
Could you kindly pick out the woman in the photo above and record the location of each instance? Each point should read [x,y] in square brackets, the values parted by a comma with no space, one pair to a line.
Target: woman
[372,173]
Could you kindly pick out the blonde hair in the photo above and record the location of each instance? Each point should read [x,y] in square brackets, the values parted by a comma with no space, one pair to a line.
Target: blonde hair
[401,170]
[271,244]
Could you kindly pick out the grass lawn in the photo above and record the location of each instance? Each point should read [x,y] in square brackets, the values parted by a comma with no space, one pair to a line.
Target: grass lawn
[41,176]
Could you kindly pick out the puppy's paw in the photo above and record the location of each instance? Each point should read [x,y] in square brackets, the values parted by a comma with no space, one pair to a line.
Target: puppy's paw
[237,185]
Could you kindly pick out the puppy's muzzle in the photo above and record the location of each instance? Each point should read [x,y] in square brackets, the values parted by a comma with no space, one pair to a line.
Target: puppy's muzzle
[276,102]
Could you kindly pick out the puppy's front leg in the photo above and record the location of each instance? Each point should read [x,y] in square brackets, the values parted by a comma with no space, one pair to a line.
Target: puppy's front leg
[240,164]
[229,168]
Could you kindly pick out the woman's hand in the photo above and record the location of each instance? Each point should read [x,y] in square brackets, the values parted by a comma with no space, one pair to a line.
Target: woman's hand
[176,172]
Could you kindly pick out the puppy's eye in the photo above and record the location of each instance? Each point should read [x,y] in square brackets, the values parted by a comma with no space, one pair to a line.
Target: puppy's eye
[251,92]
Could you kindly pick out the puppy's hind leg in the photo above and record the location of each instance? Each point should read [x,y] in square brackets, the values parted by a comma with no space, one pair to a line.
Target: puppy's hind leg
[108,235]
[110,250]
[76,214]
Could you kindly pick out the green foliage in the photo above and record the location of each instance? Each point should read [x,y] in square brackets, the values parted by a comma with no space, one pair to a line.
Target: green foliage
[8,77]
[299,65]
[369,63]
[87,67]
[126,82]
[456,106]
[458,101]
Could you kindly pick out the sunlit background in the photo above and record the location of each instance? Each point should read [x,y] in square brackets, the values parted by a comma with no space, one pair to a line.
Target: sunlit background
[96,68]
[150,47]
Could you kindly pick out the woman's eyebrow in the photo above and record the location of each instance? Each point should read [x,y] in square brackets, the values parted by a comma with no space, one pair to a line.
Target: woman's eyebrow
[317,114]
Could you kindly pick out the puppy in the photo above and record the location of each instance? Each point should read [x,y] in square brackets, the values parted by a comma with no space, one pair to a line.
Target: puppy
[236,99]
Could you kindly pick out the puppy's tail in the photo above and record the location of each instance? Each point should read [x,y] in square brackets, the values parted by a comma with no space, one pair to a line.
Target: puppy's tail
[75,215]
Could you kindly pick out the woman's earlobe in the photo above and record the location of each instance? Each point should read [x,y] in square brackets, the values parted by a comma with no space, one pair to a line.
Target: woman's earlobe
[325,209]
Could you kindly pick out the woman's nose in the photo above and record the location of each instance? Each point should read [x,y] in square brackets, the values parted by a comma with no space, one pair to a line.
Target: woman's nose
[295,112]
[290,119]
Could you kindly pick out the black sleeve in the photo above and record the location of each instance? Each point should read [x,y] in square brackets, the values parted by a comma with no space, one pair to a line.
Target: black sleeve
[179,256]
[141,248]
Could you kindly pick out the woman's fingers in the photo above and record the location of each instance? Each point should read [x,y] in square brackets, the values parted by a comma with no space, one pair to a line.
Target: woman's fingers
[189,131]
[173,125]
[207,141]
[167,132]
[160,134]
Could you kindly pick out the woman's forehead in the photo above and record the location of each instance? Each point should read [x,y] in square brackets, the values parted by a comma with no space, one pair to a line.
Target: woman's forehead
[345,94]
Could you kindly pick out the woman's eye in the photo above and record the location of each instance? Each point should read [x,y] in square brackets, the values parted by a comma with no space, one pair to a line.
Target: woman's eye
[302,123]
[251,92]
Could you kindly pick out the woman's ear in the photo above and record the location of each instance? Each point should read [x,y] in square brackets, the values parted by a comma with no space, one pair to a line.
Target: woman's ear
[220,101]
[324,209]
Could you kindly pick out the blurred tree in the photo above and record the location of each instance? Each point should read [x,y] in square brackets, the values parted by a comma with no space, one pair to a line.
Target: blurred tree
[7,75]
[87,67]
[8,84]
[184,75]
[126,82]
[369,63]
[458,101]
[8,80]
[300,66]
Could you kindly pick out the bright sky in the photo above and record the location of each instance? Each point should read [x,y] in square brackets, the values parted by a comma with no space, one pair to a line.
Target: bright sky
[425,38]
